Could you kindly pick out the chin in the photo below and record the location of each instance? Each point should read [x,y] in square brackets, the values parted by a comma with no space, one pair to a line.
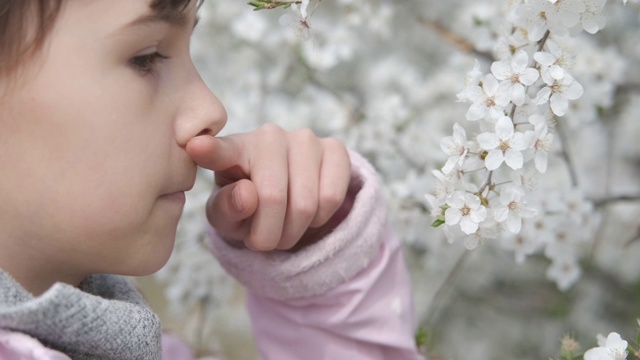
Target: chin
[152,258]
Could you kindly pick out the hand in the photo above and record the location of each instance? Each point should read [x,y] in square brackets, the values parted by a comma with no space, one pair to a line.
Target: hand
[274,185]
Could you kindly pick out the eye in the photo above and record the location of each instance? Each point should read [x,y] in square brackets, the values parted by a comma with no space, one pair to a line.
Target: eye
[147,63]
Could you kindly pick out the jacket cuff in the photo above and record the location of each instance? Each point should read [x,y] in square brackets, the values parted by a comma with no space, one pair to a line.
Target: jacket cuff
[318,267]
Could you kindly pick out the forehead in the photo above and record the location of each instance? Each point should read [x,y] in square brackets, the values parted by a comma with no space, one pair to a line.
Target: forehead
[110,14]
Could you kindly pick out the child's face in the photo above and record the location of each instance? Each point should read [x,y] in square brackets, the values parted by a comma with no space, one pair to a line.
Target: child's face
[92,146]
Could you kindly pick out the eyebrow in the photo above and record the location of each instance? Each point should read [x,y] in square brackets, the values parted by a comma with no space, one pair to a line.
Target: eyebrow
[174,18]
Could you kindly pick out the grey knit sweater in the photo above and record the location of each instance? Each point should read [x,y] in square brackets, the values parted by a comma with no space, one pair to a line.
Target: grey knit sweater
[104,318]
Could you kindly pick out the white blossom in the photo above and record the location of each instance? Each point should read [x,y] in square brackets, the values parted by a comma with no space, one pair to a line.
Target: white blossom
[392,99]
[612,348]
[472,79]
[525,179]
[515,74]
[465,209]
[487,229]
[542,15]
[456,147]
[558,92]
[564,272]
[555,61]
[522,244]
[488,99]
[298,20]
[577,206]
[592,19]
[505,145]
[540,140]
[512,208]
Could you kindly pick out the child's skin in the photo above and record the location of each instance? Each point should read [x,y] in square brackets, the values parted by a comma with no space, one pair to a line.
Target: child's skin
[100,139]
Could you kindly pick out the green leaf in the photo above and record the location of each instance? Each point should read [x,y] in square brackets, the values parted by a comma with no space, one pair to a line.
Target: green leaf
[421,337]
[437,223]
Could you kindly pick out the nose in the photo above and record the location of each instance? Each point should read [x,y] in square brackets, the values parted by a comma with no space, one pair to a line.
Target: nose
[201,113]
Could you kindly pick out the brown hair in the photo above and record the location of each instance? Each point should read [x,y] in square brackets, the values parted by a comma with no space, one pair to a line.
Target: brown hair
[20,37]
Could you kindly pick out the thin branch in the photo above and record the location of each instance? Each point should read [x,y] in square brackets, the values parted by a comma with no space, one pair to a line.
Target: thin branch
[615,199]
[627,88]
[564,145]
[542,41]
[633,239]
[455,39]
[599,234]
[443,289]
[486,183]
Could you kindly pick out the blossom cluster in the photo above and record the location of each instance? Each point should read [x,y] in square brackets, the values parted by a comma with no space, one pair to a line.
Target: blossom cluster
[383,76]
[611,347]
[486,190]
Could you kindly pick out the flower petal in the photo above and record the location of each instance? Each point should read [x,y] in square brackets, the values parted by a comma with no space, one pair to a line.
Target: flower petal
[599,353]
[520,61]
[542,96]
[450,164]
[488,141]
[472,201]
[494,159]
[540,160]
[452,216]
[513,159]
[490,85]
[517,94]
[514,223]
[459,134]
[573,91]
[456,200]
[544,58]
[479,215]
[529,76]
[504,127]
[467,225]
[556,72]
[476,111]
[448,145]
[500,70]
[500,213]
[559,104]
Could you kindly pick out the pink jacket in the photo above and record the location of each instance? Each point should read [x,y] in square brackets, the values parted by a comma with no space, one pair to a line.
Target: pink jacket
[347,296]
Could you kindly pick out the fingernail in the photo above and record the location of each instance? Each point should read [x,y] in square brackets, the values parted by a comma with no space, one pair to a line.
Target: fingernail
[237,201]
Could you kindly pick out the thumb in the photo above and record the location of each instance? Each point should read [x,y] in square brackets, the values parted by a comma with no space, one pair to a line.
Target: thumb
[214,153]
[230,209]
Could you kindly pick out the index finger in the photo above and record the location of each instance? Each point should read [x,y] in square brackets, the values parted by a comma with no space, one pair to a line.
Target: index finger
[215,153]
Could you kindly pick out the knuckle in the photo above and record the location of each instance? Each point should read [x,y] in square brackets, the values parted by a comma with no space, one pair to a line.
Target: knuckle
[304,135]
[304,208]
[271,130]
[273,196]
[334,143]
[331,199]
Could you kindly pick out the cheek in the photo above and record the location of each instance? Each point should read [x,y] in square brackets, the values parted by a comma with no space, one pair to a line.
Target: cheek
[85,170]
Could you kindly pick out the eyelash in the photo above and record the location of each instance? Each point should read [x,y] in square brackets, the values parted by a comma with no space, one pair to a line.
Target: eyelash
[147,64]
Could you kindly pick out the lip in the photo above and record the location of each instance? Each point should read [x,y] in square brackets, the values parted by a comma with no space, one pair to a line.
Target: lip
[178,196]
